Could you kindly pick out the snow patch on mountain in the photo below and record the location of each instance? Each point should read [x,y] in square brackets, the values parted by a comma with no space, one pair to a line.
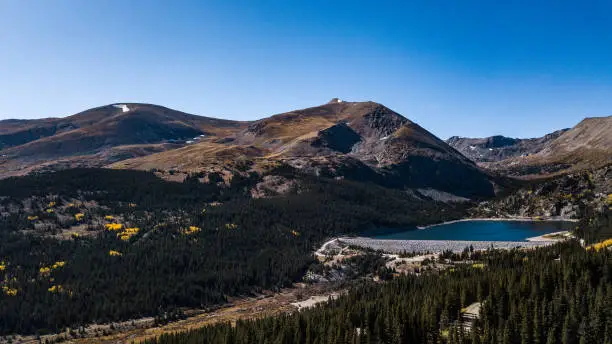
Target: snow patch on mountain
[123,107]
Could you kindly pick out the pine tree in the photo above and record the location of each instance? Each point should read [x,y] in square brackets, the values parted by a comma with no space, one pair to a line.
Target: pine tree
[551,338]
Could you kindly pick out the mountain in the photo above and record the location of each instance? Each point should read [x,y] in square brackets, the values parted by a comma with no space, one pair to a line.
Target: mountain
[496,148]
[364,141]
[588,145]
[592,136]
[106,126]
[102,135]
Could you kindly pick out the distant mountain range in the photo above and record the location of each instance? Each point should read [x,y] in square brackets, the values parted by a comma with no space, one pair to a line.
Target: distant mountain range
[585,146]
[497,148]
[364,141]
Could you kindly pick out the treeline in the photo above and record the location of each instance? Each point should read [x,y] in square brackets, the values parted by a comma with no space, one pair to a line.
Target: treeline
[558,294]
[197,243]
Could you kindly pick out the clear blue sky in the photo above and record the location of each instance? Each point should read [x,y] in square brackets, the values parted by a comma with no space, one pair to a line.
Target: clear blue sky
[469,68]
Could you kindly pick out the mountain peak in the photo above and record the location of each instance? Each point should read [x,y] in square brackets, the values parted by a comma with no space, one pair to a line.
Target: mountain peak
[335,100]
[123,107]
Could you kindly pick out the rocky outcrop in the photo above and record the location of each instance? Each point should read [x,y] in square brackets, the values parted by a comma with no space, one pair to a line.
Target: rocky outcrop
[340,138]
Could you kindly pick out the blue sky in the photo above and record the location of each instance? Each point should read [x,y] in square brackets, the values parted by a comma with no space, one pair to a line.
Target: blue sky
[469,68]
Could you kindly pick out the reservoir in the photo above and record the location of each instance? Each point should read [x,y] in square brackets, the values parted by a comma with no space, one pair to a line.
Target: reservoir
[474,230]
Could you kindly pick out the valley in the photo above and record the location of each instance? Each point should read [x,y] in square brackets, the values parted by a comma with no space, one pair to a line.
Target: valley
[193,224]
[139,330]
[305,172]
[335,255]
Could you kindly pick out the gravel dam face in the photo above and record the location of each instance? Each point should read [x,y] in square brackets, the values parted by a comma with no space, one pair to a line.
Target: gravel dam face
[399,246]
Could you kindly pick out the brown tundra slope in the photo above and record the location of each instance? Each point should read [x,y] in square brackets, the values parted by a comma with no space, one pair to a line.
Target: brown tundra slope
[586,146]
[364,141]
[100,136]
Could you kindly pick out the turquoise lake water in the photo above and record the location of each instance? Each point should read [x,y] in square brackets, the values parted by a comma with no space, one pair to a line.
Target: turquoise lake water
[475,231]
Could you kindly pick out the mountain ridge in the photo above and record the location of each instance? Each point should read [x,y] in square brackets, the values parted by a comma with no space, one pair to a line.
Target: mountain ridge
[360,140]
[337,139]
[499,147]
[587,145]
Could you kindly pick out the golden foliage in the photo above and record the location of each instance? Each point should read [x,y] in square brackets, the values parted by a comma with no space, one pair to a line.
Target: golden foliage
[478,266]
[609,199]
[128,233]
[58,265]
[114,253]
[109,217]
[132,230]
[52,204]
[79,216]
[113,226]
[192,229]
[45,270]
[74,235]
[56,289]
[50,211]
[9,291]
[601,245]
[32,218]
[231,226]
[2,266]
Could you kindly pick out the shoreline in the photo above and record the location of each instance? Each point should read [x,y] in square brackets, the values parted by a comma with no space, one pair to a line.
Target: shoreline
[517,219]
[550,237]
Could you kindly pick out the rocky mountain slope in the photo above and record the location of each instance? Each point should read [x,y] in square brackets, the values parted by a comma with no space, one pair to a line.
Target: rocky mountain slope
[357,140]
[573,195]
[364,141]
[586,146]
[496,148]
